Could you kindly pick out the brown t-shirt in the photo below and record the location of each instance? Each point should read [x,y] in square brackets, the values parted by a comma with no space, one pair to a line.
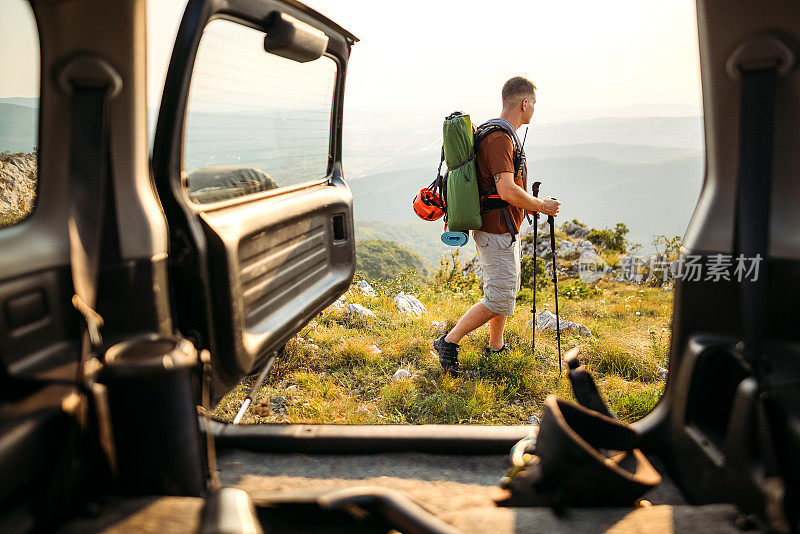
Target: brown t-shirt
[496,155]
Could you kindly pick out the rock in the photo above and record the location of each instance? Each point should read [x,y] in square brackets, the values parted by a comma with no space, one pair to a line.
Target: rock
[565,247]
[409,304]
[575,230]
[533,420]
[546,320]
[544,226]
[313,346]
[18,178]
[579,246]
[357,310]
[440,327]
[375,350]
[591,267]
[339,304]
[367,289]
[472,267]
[291,388]
[400,374]
[661,373]
[278,402]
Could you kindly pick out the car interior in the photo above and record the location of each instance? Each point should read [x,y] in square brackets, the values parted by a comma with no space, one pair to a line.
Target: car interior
[139,291]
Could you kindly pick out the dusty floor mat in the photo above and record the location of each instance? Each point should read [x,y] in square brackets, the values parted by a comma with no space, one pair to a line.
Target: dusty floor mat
[459,490]
[143,515]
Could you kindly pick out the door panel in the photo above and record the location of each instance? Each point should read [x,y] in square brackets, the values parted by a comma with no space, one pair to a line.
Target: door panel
[279,264]
[251,262]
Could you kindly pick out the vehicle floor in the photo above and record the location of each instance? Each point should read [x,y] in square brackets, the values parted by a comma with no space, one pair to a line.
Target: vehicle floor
[457,489]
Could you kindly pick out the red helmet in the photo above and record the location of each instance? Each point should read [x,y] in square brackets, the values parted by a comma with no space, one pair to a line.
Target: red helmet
[428,205]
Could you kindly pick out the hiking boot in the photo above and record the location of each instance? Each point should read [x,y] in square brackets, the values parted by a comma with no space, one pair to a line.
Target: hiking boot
[448,355]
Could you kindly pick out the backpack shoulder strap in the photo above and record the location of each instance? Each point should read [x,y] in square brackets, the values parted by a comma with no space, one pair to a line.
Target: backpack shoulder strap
[494,125]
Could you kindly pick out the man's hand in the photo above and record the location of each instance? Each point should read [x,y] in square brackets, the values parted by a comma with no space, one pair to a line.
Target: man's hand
[550,206]
[516,196]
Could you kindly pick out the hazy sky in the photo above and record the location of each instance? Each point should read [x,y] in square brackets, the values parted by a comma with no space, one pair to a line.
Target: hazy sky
[19,50]
[588,58]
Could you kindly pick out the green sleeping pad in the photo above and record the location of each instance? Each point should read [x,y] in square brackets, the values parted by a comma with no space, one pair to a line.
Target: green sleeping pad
[463,200]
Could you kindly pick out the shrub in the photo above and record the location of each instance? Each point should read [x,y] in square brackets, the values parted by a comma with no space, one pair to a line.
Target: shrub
[451,277]
[610,239]
[577,290]
[671,246]
[409,281]
[528,267]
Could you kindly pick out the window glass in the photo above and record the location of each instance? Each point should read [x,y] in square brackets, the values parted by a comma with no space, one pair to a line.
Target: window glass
[255,121]
[19,111]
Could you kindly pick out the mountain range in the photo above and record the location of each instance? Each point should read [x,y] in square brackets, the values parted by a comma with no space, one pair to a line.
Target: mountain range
[646,172]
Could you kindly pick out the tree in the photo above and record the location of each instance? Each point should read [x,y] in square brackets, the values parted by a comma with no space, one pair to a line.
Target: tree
[611,239]
[379,258]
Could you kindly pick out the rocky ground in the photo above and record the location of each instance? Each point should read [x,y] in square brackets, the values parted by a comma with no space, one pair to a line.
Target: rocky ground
[18,182]
[367,358]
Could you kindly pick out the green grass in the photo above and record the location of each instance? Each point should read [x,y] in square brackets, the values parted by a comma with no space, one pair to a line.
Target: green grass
[339,378]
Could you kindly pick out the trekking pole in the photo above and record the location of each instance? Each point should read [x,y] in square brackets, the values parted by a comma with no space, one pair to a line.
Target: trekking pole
[551,222]
[535,192]
[254,390]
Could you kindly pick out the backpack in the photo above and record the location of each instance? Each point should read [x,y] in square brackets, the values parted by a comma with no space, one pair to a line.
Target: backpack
[464,199]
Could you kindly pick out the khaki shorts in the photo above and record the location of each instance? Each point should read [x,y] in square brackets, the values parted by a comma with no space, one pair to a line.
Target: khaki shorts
[500,263]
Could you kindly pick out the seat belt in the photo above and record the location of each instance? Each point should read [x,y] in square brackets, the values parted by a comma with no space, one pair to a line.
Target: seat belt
[90,82]
[757,65]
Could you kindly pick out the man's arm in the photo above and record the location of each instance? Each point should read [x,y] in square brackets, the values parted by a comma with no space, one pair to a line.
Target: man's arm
[516,196]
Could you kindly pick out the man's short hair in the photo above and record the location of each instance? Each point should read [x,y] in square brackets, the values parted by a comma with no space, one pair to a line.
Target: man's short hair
[517,86]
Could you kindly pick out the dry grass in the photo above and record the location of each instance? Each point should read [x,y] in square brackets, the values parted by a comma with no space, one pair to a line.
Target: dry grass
[339,378]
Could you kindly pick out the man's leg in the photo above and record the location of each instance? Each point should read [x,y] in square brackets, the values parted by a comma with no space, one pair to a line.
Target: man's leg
[476,316]
[496,326]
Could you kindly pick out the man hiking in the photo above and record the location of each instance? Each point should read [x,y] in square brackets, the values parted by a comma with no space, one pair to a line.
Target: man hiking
[499,252]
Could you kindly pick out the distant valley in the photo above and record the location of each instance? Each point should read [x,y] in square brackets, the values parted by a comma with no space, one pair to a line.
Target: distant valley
[646,172]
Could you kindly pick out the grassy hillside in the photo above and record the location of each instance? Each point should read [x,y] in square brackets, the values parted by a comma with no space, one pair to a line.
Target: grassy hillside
[378,258]
[339,369]
[420,236]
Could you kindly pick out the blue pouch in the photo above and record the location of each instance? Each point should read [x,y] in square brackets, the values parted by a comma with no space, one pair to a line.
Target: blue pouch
[455,239]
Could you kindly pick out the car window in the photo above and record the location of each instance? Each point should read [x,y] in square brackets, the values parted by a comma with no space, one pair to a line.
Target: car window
[255,121]
[19,111]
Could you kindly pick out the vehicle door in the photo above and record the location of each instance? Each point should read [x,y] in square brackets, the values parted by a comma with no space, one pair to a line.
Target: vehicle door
[247,163]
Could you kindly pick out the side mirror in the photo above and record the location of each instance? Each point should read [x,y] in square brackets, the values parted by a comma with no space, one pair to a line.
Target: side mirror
[293,39]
